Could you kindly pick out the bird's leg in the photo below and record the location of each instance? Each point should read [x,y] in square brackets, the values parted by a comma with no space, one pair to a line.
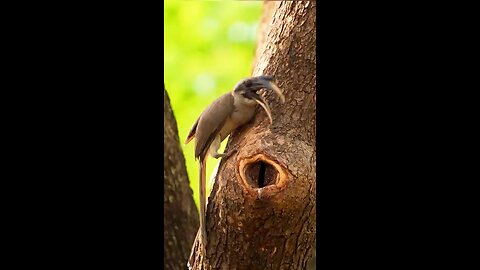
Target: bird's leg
[225,155]
[229,153]
[216,145]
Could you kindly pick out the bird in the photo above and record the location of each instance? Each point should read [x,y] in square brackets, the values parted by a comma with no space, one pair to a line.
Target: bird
[225,114]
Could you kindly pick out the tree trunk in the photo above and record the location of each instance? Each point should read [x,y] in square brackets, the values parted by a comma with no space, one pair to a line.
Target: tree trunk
[264,27]
[261,212]
[181,216]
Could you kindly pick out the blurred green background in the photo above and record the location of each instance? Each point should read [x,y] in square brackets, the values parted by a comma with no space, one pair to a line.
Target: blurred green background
[209,47]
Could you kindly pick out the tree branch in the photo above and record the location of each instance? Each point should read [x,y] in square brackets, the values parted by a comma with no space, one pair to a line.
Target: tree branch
[181,216]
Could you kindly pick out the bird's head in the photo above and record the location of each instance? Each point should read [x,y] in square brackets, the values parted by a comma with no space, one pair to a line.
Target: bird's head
[248,90]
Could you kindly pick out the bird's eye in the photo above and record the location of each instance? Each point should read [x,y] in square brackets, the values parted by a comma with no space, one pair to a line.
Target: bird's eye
[248,84]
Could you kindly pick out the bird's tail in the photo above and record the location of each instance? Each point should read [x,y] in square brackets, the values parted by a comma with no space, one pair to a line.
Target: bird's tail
[203,199]
[202,231]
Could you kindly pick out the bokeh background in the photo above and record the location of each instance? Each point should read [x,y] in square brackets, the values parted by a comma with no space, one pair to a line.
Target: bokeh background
[209,47]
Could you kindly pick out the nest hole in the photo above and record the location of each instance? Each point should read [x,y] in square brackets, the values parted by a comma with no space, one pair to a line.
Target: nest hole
[260,174]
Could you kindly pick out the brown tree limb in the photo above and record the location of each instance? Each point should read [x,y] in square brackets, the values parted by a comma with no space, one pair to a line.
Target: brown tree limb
[181,216]
[268,9]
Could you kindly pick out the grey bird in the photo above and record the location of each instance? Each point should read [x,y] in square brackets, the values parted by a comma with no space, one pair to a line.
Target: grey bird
[217,121]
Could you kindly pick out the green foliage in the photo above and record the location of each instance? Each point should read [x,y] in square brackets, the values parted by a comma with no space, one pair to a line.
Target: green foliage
[209,46]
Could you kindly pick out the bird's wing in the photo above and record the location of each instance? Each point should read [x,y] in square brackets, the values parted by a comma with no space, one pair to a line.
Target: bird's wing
[191,134]
[211,122]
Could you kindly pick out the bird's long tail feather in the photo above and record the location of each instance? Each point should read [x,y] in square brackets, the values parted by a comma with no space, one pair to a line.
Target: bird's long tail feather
[202,231]
[203,199]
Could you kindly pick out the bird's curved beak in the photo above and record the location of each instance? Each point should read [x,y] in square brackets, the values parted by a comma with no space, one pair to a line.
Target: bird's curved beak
[259,99]
[267,83]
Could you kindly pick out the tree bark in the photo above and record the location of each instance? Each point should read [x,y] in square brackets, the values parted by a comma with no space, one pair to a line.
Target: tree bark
[268,9]
[261,212]
[181,216]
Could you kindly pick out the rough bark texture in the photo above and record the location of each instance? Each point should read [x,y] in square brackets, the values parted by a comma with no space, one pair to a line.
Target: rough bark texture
[261,212]
[264,26]
[181,216]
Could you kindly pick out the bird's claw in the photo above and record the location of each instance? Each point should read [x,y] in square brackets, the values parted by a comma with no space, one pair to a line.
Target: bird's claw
[229,153]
